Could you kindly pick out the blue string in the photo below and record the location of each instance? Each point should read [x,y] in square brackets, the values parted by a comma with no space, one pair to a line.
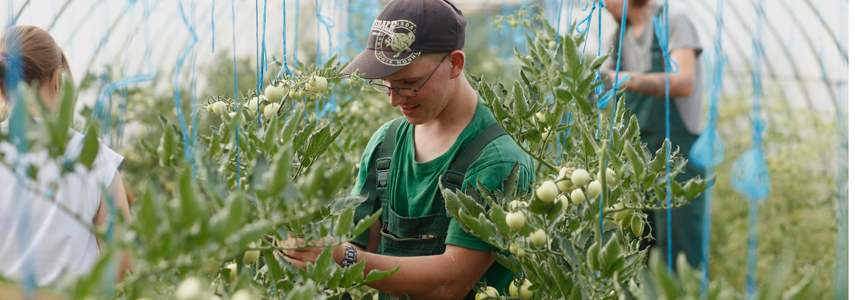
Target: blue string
[213,28]
[708,150]
[17,135]
[750,175]
[175,79]
[296,33]
[237,102]
[662,31]
[101,109]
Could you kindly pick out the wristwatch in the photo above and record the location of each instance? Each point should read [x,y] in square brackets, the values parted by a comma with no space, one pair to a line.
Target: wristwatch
[349,256]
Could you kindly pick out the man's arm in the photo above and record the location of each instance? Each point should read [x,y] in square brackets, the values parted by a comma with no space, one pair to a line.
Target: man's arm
[680,84]
[450,275]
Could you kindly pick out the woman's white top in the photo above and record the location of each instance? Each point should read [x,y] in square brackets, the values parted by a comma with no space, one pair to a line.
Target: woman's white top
[36,236]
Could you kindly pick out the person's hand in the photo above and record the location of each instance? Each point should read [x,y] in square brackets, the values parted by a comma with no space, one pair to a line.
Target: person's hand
[301,257]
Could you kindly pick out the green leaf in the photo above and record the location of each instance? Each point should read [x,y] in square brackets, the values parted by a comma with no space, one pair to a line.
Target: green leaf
[510,184]
[376,274]
[365,223]
[90,147]
[609,253]
[659,162]
[508,262]
[273,269]
[353,274]
[592,260]
[345,222]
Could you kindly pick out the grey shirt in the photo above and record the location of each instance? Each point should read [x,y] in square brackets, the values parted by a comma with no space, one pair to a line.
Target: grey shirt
[636,58]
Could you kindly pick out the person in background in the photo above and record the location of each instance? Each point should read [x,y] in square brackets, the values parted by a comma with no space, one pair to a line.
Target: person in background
[36,235]
[643,61]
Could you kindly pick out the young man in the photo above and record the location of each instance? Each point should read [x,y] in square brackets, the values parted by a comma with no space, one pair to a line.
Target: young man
[645,96]
[414,56]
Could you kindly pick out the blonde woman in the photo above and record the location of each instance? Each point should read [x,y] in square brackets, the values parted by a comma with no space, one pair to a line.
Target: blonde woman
[37,236]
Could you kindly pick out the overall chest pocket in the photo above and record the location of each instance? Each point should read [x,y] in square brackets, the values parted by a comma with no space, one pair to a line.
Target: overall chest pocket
[412,236]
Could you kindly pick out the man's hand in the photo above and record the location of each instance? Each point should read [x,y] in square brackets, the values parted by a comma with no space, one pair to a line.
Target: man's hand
[680,84]
[308,252]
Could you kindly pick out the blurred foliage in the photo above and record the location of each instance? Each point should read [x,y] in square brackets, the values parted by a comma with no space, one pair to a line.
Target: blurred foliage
[801,150]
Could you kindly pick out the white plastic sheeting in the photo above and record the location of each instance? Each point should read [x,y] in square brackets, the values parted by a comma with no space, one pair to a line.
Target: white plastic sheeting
[805,61]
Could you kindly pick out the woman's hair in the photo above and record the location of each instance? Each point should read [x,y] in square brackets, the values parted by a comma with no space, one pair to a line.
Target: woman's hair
[638,3]
[35,53]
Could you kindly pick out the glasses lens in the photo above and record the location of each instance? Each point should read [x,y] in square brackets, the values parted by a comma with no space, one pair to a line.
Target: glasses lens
[381,88]
[409,93]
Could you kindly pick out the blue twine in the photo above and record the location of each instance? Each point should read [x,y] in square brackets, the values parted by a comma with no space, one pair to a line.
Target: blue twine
[661,29]
[605,100]
[237,102]
[750,175]
[708,150]
[296,33]
[213,28]
[175,78]
[101,110]
[17,135]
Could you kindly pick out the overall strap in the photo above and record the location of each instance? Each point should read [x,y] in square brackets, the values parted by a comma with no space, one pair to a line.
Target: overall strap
[384,159]
[453,178]
[377,179]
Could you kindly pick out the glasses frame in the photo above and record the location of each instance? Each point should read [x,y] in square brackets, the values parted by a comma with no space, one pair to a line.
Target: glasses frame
[388,89]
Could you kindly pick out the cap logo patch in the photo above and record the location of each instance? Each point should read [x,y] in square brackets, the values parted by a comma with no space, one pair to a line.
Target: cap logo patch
[395,35]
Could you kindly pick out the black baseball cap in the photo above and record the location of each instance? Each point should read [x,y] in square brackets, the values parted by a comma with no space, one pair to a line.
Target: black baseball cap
[404,30]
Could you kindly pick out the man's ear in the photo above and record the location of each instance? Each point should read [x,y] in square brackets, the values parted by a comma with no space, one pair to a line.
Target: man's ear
[458,60]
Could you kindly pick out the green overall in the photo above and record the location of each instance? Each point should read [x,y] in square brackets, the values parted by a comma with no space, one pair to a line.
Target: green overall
[687,221]
[423,235]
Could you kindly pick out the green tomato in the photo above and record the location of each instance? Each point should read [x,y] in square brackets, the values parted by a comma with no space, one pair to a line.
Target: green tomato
[515,220]
[271,110]
[189,289]
[547,191]
[365,90]
[637,226]
[275,93]
[253,105]
[251,256]
[563,200]
[538,238]
[595,188]
[317,84]
[520,252]
[619,216]
[303,93]
[294,94]
[210,107]
[219,107]
[577,196]
[232,272]
[580,177]
[525,292]
[610,176]
[489,292]
[241,295]
[514,248]
[564,182]
[625,222]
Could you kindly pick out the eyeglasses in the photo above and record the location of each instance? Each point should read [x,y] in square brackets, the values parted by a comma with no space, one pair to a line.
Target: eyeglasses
[404,92]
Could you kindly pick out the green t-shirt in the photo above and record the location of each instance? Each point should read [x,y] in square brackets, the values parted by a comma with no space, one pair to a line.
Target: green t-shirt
[413,186]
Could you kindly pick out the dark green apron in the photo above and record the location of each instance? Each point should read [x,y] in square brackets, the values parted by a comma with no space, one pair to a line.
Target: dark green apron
[687,221]
[415,236]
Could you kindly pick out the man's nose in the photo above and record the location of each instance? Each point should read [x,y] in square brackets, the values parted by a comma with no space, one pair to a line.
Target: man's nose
[396,99]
